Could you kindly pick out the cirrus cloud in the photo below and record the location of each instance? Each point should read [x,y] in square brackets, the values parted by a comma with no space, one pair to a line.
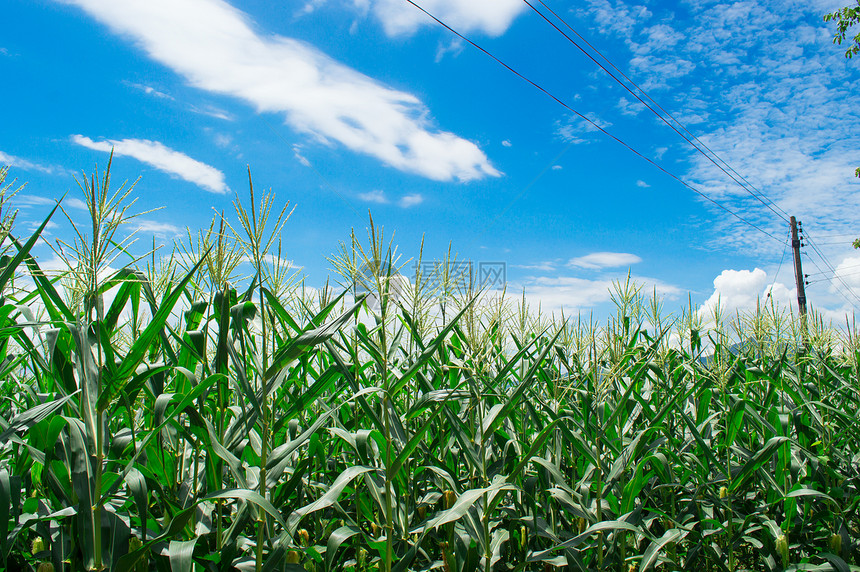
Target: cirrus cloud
[161,229]
[27,200]
[375,196]
[492,17]
[7,160]
[762,86]
[162,158]
[411,200]
[597,260]
[379,197]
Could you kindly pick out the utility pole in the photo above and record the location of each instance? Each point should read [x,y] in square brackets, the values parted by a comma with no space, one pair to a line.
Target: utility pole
[798,277]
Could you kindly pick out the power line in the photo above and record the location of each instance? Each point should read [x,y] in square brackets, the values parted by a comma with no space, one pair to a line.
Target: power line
[841,293]
[832,235]
[831,278]
[661,108]
[590,121]
[524,190]
[841,281]
[812,260]
[833,270]
[827,272]
[734,175]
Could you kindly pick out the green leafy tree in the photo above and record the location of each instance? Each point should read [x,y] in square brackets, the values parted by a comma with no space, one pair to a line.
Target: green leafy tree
[845,19]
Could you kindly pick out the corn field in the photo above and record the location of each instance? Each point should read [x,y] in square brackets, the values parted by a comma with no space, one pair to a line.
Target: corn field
[168,412]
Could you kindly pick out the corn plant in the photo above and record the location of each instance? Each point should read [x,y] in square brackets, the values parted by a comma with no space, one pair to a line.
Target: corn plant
[202,408]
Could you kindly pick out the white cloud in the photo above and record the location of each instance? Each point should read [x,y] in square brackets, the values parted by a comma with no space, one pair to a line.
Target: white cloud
[849,271]
[454,47]
[162,158]
[25,200]
[736,290]
[379,197]
[574,128]
[548,266]
[376,196]
[214,46]
[493,17]
[310,7]
[506,143]
[149,90]
[272,260]
[619,18]
[162,229]
[223,140]
[51,225]
[212,111]
[557,167]
[843,285]
[572,294]
[741,290]
[630,107]
[605,260]
[52,265]
[642,184]
[75,204]
[411,200]
[297,152]
[569,134]
[19,163]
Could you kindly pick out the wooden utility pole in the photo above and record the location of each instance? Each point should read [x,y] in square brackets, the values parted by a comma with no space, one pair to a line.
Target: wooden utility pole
[798,276]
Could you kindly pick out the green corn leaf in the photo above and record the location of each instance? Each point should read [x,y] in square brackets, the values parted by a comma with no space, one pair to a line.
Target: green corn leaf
[12,265]
[405,454]
[334,542]
[756,462]
[186,401]
[799,493]
[28,418]
[736,418]
[280,312]
[429,349]
[606,525]
[649,559]
[137,486]
[463,503]
[141,345]
[308,339]
[129,282]
[249,496]
[836,562]
[53,302]
[329,498]
[181,555]
[495,419]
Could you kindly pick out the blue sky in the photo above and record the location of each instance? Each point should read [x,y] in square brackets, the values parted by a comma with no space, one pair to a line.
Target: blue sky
[340,106]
